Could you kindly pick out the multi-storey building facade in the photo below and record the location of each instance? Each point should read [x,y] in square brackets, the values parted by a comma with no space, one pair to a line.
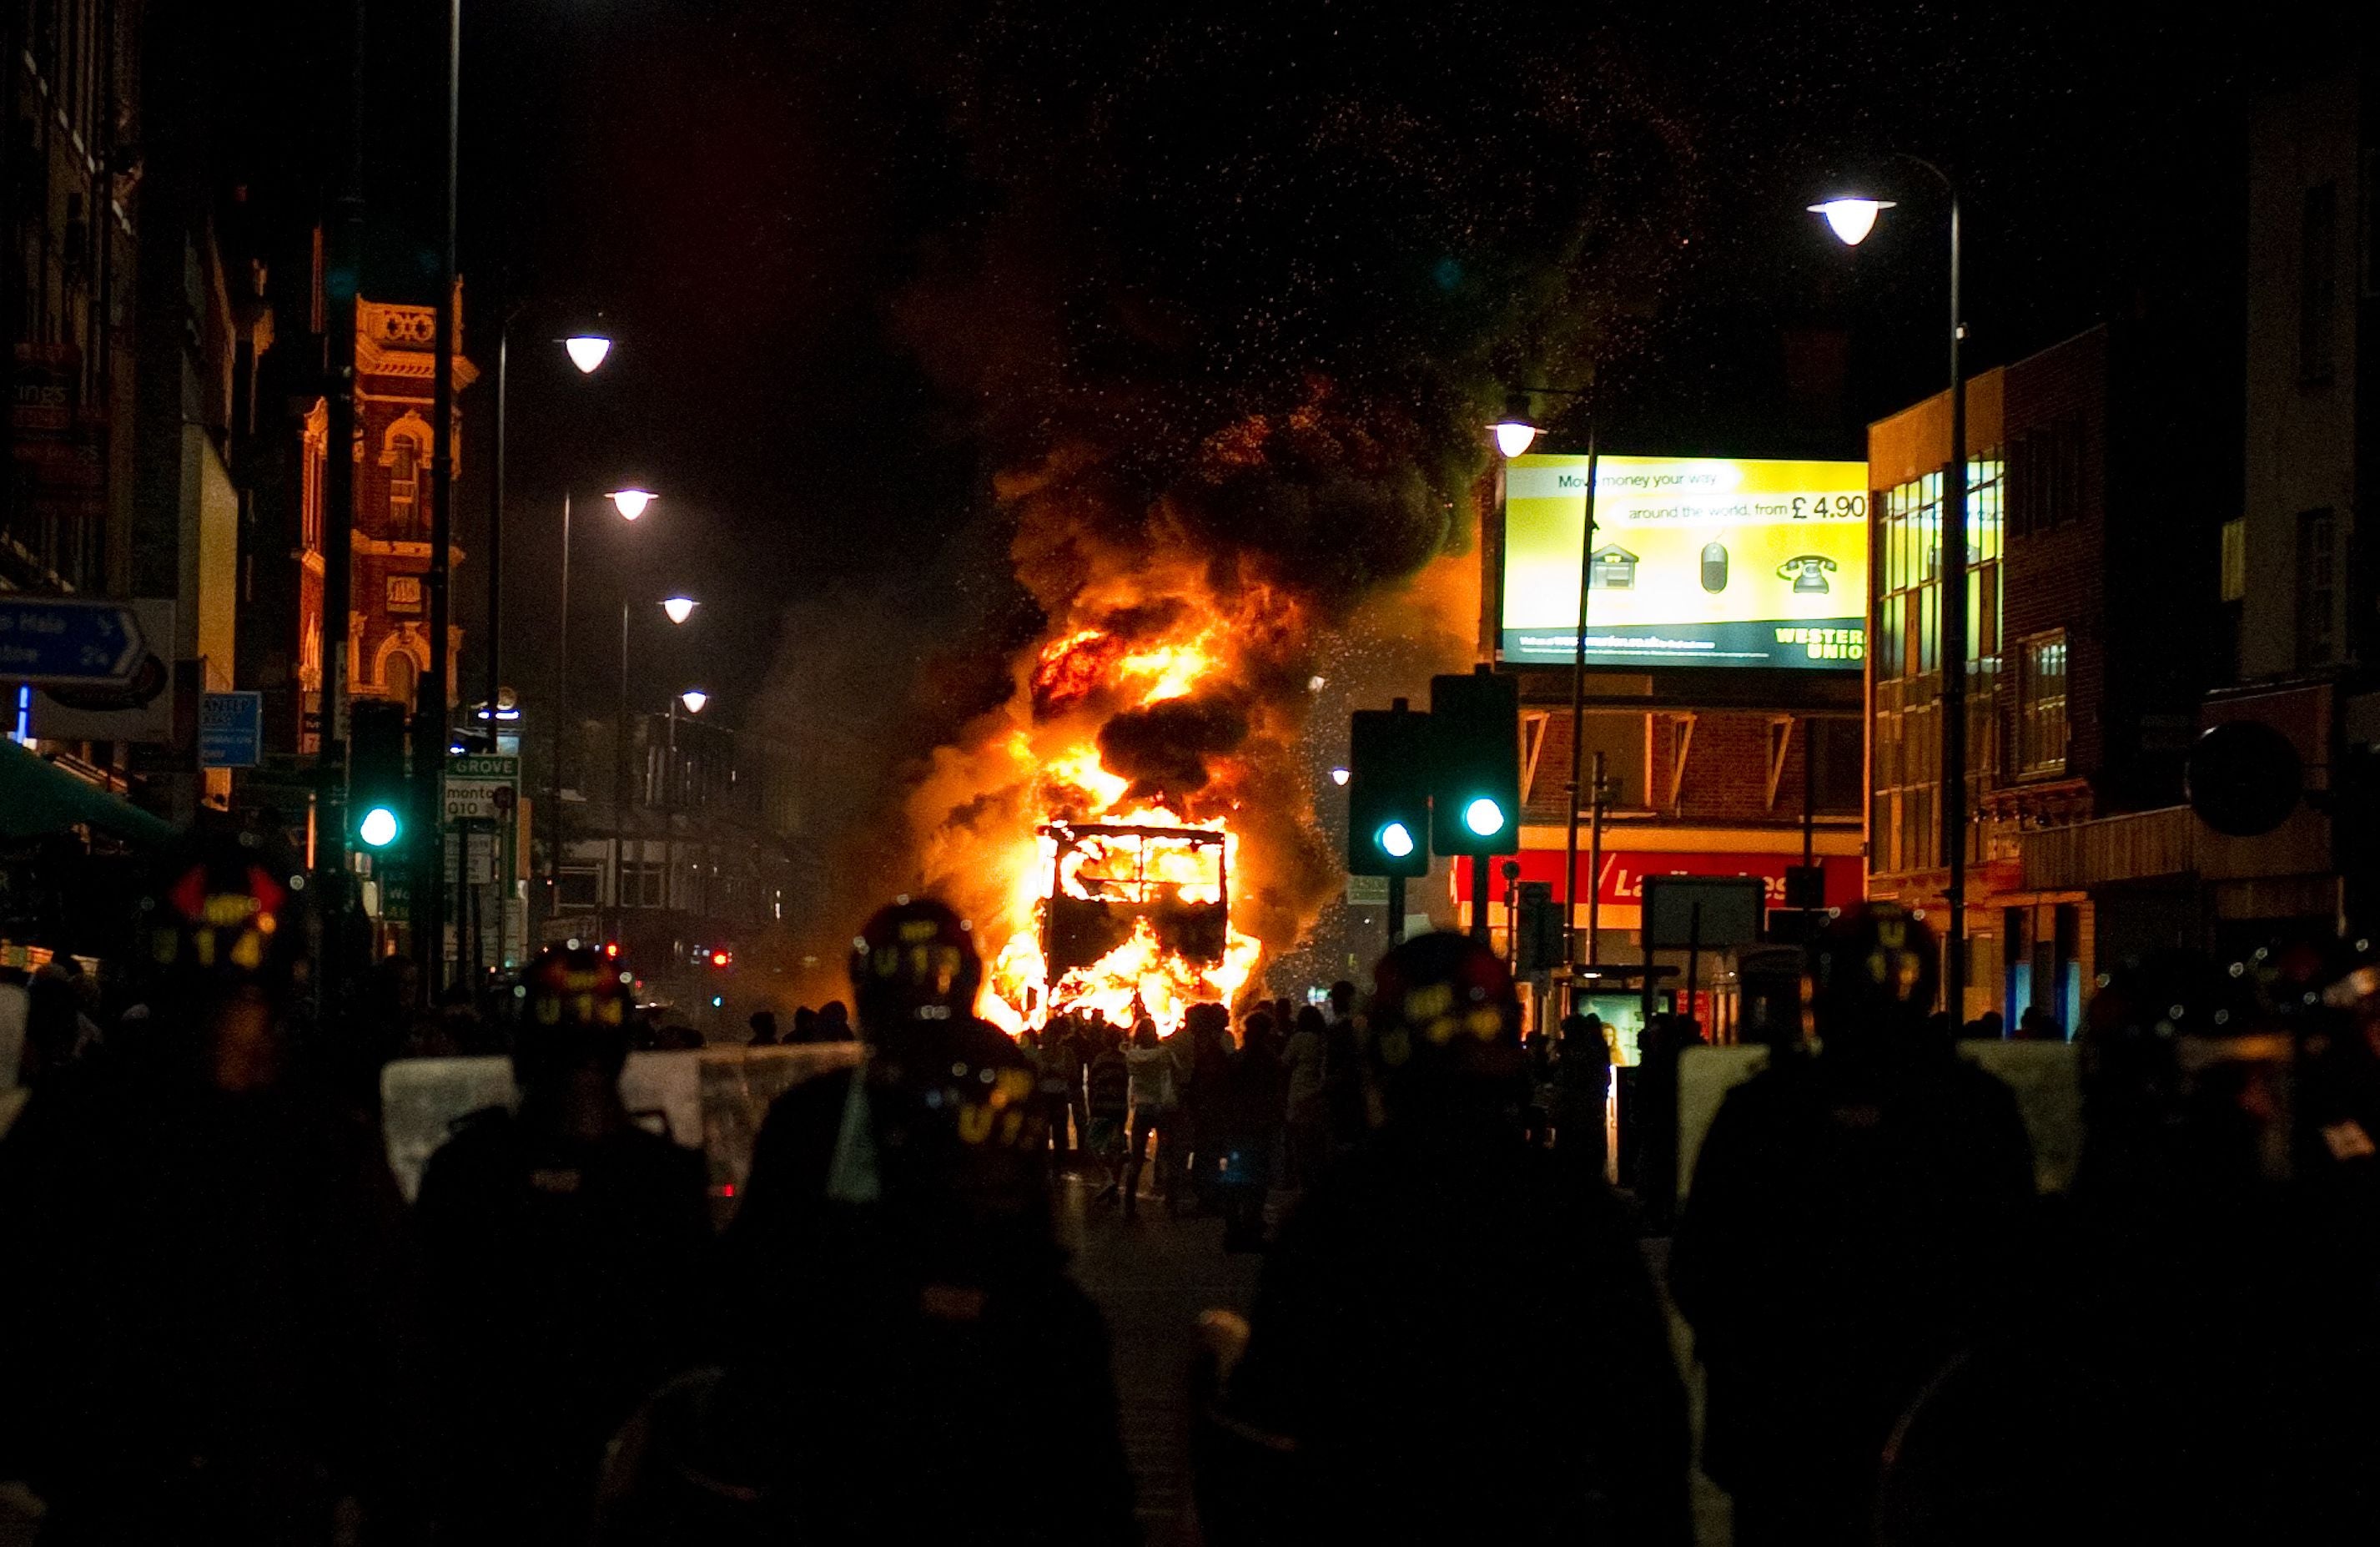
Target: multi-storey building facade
[2093,503]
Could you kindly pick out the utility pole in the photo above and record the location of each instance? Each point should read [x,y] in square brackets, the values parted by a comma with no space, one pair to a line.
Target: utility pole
[1595,868]
[1578,730]
[430,729]
[342,282]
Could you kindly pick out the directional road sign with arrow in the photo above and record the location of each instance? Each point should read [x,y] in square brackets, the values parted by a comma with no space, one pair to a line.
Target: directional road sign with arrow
[57,639]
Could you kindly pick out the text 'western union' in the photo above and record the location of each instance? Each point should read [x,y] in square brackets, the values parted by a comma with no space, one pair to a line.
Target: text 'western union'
[1827,644]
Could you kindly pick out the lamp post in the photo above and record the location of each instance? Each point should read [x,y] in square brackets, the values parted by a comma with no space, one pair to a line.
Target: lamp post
[1851,218]
[678,609]
[1516,433]
[630,503]
[431,736]
[588,348]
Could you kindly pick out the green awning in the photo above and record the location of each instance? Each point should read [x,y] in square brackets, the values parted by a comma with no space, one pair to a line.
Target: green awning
[37,797]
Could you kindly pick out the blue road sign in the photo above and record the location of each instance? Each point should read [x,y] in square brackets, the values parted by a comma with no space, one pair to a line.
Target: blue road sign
[58,639]
[231,730]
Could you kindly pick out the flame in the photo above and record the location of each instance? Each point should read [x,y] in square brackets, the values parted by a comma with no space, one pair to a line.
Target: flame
[1065,836]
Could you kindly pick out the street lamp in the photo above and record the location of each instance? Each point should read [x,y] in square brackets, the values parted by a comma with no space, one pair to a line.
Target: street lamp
[678,609]
[1852,217]
[1516,433]
[562,681]
[694,699]
[588,351]
[1516,430]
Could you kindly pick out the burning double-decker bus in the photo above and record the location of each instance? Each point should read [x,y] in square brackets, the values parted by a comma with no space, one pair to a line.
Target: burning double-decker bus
[1129,907]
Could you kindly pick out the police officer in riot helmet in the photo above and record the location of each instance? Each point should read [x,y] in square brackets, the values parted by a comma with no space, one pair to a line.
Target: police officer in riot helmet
[1454,1338]
[563,1242]
[962,1390]
[1853,1223]
[205,1282]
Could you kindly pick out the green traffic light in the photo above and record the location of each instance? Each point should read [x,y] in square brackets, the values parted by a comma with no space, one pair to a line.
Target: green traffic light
[379,828]
[1396,840]
[1484,816]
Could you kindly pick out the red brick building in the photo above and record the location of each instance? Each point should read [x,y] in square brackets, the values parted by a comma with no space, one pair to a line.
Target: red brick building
[388,630]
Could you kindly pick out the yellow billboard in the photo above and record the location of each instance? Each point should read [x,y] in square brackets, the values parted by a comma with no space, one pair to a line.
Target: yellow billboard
[1697,561]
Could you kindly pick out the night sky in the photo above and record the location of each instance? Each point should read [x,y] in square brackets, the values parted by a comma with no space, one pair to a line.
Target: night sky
[864,259]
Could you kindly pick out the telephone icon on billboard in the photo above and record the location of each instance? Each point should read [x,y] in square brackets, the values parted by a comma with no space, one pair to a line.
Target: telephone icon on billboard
[1808,572]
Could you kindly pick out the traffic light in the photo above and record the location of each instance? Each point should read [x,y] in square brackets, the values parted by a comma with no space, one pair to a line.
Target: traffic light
[377,789]
[1387,792]
[1538,931]
[1475,792]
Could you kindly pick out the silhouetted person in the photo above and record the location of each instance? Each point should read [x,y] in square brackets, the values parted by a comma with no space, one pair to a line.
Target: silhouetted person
[1308,1106]
[929,1373]
[207,1284]
[1665,1040]
[1453,1339]
[2196,1365]
[1582,1082]
[1155,1107]
[1343,1072]
[562,1243]
[1854,1220]
[1248,1116]
[1203,1093]
[805,1026]
[764,1028]
[1109,1086]
[834,1022]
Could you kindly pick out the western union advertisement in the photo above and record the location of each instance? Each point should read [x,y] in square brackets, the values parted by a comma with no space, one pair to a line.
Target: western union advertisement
[1696,562]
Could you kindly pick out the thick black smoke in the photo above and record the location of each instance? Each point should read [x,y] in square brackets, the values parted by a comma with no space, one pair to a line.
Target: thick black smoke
[1235,287]
[1165,749]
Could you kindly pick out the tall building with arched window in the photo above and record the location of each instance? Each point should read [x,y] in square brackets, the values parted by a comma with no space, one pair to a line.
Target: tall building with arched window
[388,632]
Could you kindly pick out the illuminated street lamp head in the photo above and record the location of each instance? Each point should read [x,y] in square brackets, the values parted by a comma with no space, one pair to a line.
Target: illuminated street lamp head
[1396,840]
[1339,776]
[1516,430]
[694,699]
[680,608]
[1851,219]
[631,503]
[588,351]
[1484,816]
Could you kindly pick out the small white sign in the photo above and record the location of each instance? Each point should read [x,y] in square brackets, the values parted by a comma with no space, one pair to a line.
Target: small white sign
[1367,891]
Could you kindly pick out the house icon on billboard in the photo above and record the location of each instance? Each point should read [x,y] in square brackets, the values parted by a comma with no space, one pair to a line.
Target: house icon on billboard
[1611,568]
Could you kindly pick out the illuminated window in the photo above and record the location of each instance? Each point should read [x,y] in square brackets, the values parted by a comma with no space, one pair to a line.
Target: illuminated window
[2235,558]
[401,678]
[2041,705]
[404,463]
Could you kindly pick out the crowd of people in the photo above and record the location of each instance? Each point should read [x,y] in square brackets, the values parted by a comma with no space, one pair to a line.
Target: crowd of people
[224,1324]
[1215,1122]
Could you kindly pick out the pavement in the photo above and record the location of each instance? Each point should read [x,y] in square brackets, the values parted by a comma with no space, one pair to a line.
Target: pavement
[1152,1276]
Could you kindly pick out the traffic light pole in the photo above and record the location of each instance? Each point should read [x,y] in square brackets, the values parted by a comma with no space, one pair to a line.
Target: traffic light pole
[1578,738]
[1396,911]
[1479,899]
[1594,866]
